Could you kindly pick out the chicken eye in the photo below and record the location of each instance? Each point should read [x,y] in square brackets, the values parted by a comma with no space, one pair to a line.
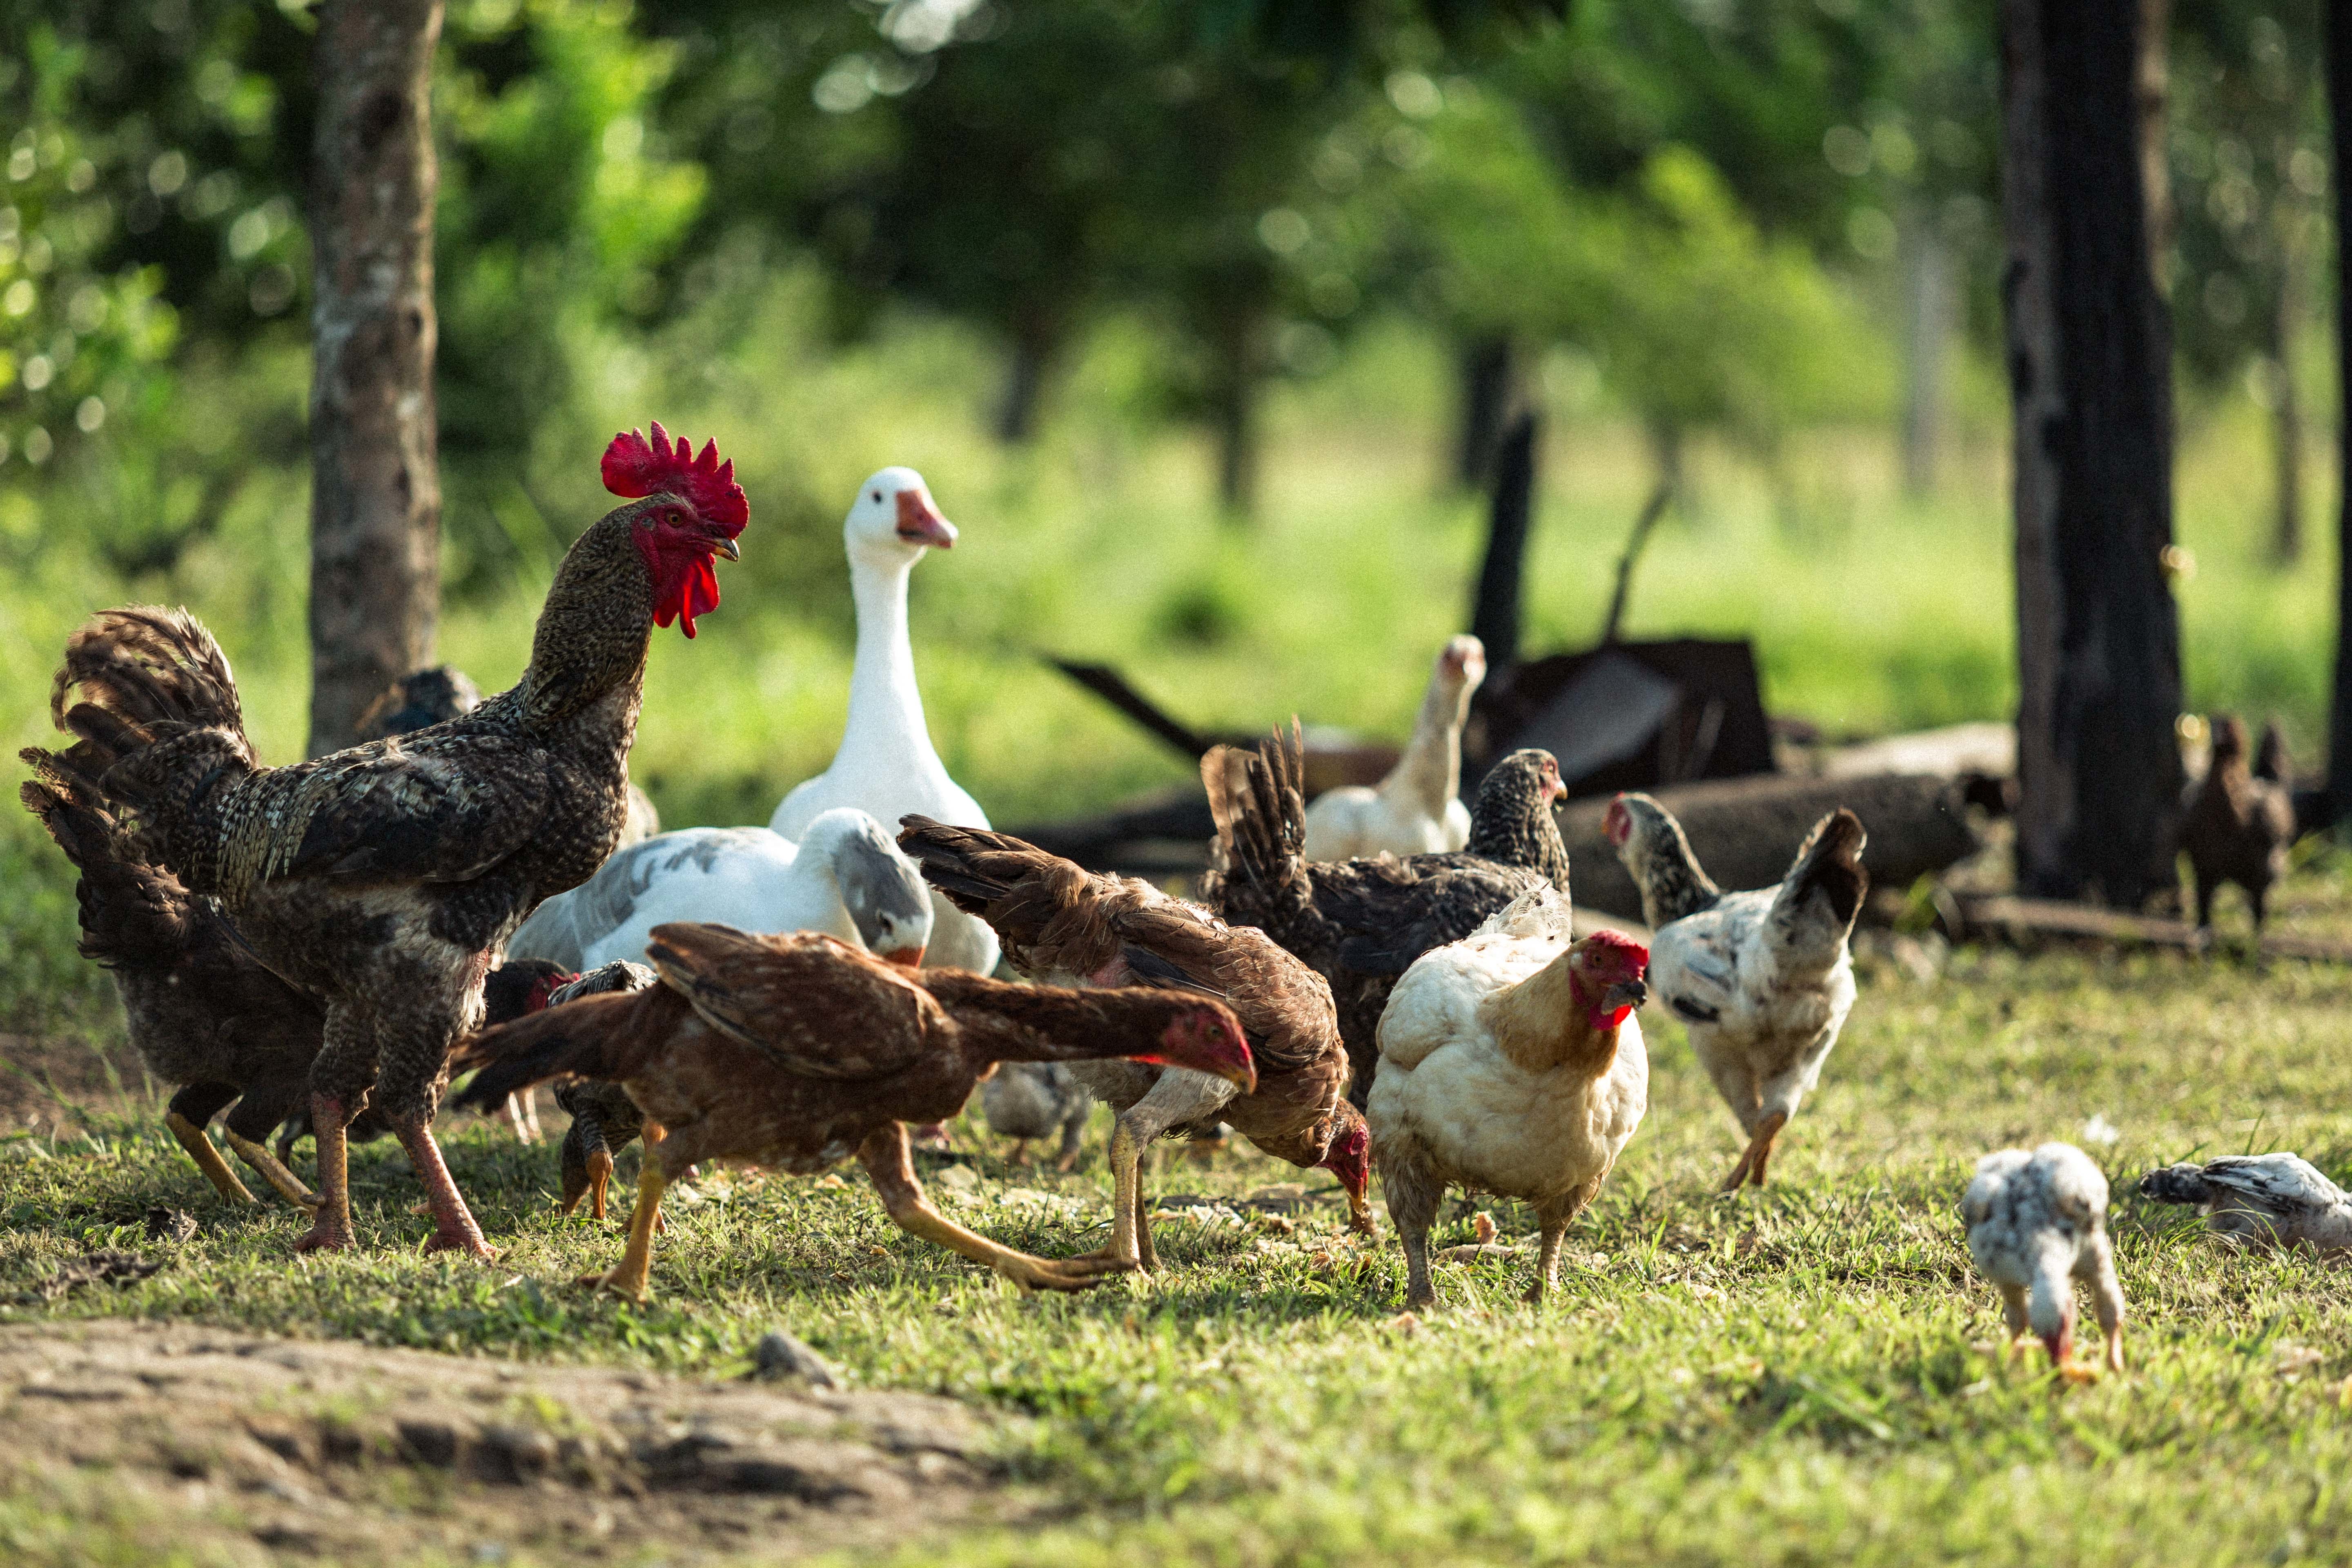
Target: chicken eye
[874,495]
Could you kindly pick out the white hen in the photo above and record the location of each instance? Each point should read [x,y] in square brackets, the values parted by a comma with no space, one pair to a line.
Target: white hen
[2037,1223]
[1763,980]
[2260,1200]
[1417,809]
[846,879]
[886,765]
[1510,1063]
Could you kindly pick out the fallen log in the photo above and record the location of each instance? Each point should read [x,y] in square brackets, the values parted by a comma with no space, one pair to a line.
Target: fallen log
[1745,832]
[1999,914]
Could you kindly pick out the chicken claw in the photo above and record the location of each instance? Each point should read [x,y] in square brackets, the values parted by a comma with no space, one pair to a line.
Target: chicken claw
[1750,1169]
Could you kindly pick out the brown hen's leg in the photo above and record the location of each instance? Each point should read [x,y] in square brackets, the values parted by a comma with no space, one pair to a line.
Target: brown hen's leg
[207,1158]
[1751,1168]
[271,1169]
[453,1229]
[633,1276]
[331,1224]
[883,1154]
[600,1177]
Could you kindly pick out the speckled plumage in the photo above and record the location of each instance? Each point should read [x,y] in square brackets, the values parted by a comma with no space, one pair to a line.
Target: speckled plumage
[1361,923]
[1060,922]
[2038,1222]
[2260,1200]
[798,1051]
[380,879]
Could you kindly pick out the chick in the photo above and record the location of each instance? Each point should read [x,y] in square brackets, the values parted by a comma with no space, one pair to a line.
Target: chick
[2036,1224]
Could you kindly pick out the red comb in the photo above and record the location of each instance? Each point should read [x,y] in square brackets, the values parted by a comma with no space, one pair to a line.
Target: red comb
[636,467]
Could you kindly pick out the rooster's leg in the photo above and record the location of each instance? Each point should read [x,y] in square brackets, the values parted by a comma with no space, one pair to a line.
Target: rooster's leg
[208,1159]
[270,1169]
[1751,1168]
[633,1276]
[330,1225]
[884,1155]
[453,1229]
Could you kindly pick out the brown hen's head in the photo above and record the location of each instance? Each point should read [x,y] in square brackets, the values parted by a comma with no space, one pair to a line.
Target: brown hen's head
[1606,971]
[1348,1156]
[695,509]
[1207,1038]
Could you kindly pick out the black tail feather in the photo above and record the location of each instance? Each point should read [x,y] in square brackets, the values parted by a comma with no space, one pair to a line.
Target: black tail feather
[2176,1184]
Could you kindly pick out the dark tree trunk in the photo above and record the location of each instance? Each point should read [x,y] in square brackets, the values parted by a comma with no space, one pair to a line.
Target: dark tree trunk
[375,497]
[1035,344]
[2090,381]
[1495,613]
[1490,388]
[2151,86]
[2339,121]
[1233,412]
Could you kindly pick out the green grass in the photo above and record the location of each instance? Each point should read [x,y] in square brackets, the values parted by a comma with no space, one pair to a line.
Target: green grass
[1798,1376]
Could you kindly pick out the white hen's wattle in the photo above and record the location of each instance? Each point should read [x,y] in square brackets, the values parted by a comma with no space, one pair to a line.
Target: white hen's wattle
[886,765]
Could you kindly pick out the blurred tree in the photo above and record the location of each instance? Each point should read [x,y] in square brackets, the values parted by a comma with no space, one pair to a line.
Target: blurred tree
[375,478]
[2098,635]
[2248,159]
[2337,45]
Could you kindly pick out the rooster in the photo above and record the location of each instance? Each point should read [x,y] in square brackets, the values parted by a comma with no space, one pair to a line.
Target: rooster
[1060,922]
[1510,1063]
[2238,820]
[381,879]
[2036,1224]
[1763,980]
[1361,923]
[798,1051]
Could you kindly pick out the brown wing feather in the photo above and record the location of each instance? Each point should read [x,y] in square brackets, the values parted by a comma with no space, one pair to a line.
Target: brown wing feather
[810,1003]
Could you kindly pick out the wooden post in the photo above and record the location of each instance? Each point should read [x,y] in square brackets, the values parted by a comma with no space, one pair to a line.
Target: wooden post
[2090,383]
[1495,613]
[375,496]
[2339,121]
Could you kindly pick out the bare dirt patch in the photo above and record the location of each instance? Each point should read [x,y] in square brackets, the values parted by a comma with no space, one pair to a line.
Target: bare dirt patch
[241,1448]
[47,1080]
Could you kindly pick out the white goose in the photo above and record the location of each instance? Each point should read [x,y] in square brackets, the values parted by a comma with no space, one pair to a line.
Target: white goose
[1417,809]
[845,876]
[886,765]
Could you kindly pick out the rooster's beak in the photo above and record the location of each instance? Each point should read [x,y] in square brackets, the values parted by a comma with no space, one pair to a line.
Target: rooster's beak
[729,549]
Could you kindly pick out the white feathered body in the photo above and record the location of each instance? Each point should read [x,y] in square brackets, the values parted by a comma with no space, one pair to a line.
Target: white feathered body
[1447,1088]
[2260,1199]
[2037,1222]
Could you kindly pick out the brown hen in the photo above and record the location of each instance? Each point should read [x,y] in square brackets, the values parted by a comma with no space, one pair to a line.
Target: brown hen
[797,1051]
[1060,922]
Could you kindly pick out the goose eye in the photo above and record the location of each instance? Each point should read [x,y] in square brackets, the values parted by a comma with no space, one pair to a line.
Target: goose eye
[874,495]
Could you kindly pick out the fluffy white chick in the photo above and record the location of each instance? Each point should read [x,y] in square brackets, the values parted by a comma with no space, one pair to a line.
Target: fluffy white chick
[2038,1222]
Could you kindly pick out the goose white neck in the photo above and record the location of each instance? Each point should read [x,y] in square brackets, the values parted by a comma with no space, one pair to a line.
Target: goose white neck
[1429,772]
[886,707]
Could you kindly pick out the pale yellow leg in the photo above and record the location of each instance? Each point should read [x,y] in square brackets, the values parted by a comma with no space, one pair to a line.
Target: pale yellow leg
[207,1158]
[633,1276]
[271,1169]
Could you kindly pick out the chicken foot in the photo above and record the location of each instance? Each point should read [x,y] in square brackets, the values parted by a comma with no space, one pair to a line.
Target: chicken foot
[886,1161]
[1553,1215]
[330,1223]
[633,1276]
[1414,1194]
[453,1229]
[1181,1099]
[1750,1169]
[270,1169]
[208,1159]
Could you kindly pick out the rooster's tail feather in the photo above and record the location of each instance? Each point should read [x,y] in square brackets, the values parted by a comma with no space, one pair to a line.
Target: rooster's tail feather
[131,909]
[1259,804]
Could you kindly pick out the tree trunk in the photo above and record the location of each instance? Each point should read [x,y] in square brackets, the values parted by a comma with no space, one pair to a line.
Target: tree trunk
[2090,381]
[2339,123]
[2151,86]
[376,489]
[1928,324]
[1490,388]
[1035,342]
[2286,423]
[1495,613]
[1233,410]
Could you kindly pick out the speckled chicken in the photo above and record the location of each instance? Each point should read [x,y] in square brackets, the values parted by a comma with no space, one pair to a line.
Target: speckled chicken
[2038,1222]
[2238,820]
[1763,980]
[1062,923]
[1361,923]
[1038,1099]
[798,1051]
[382,879]
[1511,1064]
[2260,1200]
